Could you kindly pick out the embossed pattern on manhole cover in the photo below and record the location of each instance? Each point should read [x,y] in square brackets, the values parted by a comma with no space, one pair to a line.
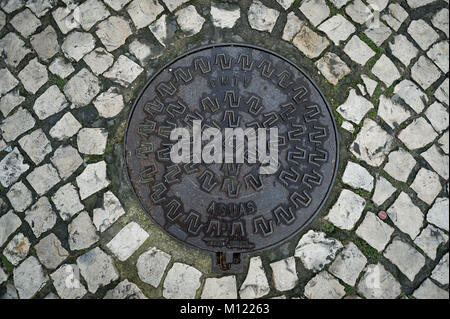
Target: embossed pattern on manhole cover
[231,209]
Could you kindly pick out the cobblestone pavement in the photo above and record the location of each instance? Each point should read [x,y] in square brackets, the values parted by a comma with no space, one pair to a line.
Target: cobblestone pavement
[70,71]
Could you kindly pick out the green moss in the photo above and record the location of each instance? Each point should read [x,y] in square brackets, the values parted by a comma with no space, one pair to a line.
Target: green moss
[328,228]
[59,82]
[7,266]
[296,3]
[371,254]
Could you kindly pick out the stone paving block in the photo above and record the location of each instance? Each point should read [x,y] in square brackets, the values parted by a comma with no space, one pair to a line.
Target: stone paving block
[50,102]
[66,280]
[418,134]
[82,234]
[111,211]
[36,145]
[411,95]
[316,251]
[40,217]
[19,196]
[375,232]
[284,274]
[358,50]
[92,141]
[392,111]
[386,70]
[151,266]
[338,29]
[309,42]
[97,269]
[255,284]
[143,12]
[440,273]
[164,29]
[25,22]
[405,257]
[29,278]
[438,161]
[125,290]
[378,283]
[438,214]
[61,68]
[428,290]
[124,71]
[90,12]
[7,81]
[348,264]
[113,32]
[430,239]
[438,53]
[92,180]
[82,88]
[67,202]
[426,185]
[315,11]
[406,216]
[99,60]
[355,107]
[40,8]
[357,177]
[17,249]
[45,43]
[437,114]
[424,72]
[10,101]
[358,11]
[127,241]
[403,49]
[422,33]
[66,18]
[12,166]
[13,49]
[33,76]
[332,68]
[262,18]
[191,22]
[43,178]
[182,282]
[378,33]
[226,15]
[383,190]
[347,210]
[292,27]
[400,165]
[77,44]
[324,286]
[220,288]
[109,103]
[66,127]
[443,143]
[372,143]
[9,223]
[440,21]
[50,251]
[395,16]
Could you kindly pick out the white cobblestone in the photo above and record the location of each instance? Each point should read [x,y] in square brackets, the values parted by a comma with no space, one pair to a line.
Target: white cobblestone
[348,264]
[347,210]
[437,114]
[29,278]
[392,111]
[25,22]
[438,214]
[378,283]
[82,88]
[50,102]
[11,167]
[402,49]
[422,33]
[357,177]
[109,103]
[9,223]
[33,76]
[338,29]
[50,251]
[68,273]
[61,68]
[438,161]
[19,196]
[77,44]
[124,71]
[190,21]
[220,288]
[127,241]
[358,50]
[417,134]
[430,239]
[224,16]
[400,165]
[386,71]
[255,284]
[428,290]
[284,274]
[111,211]
[13,49]
[67,201]
[406,216]
[144,12]
[262,18]
[92,141]
[10,101]
[439,55]
[99,60]
[125,290]
[324,286]
[375,232]
[113,32]
[40,217]
[66,127]
[151,266]
[355,107]
[440,273]
[383,190]
[424,72]
[332,67]
[82,233]
[427,185]
[182,282]
[405,257]
[92,180]
[43,178]
[412,95]
[45,43]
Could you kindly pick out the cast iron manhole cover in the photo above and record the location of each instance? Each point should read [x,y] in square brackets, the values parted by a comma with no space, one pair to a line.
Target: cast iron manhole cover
[231,209]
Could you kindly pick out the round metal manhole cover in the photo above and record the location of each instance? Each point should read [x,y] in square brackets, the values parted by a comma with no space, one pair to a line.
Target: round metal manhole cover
[230,208]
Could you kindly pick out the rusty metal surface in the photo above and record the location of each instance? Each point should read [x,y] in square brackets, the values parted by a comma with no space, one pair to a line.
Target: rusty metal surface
[230,209]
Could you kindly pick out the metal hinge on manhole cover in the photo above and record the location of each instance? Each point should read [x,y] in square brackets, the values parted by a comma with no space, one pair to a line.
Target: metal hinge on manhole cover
[231,149]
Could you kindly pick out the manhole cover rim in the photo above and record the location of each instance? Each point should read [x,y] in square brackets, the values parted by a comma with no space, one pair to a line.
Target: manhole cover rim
[303,228]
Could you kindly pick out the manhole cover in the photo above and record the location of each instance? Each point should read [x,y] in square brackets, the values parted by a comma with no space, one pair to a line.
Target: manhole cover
[230,208]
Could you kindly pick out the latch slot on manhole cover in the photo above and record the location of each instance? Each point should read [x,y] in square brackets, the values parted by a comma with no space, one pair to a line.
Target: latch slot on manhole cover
[200,184]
